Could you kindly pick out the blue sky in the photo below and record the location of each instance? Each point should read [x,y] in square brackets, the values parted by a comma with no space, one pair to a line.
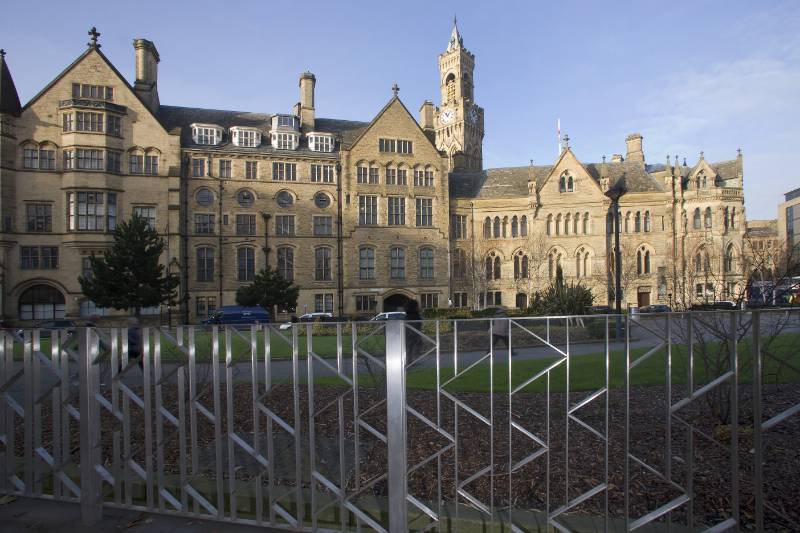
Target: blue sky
[688,75]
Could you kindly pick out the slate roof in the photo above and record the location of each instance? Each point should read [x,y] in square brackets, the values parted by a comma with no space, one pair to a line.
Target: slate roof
[512,182]
[9,99]
[182,117]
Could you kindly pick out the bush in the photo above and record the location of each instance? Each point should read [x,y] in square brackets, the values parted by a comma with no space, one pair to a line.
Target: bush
[446,314]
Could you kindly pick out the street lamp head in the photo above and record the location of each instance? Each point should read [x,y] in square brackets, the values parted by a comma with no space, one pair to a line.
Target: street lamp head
[616,192]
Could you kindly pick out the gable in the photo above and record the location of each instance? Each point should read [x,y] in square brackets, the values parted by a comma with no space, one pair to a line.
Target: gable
[585,188]
[394,122]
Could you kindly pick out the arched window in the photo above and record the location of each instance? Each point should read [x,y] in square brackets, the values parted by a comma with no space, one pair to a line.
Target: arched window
[514,226]
[647,261]
[426,263]
[523,226]
[578,262]
[628,222]
[245,198]
[576,220]
[725,218]
[286,262]
[637,223]
[549,229]
[41,302]
[558,224]
[322,263]
[733,218]
[696,220]
[639,262]
[567,220]
[708,218]
[496,227]
[550,265]
[497,267]
[505,227]
[450,88]
[366,263]
[487,228]
[570,184]
[729,259]
[489,266]
[705,180]
[246,263]
[698,262]
[587,268]
[586,226]
[697,183]
[562,184]
[524,270]
[205,264]
[647,227]
[516,267]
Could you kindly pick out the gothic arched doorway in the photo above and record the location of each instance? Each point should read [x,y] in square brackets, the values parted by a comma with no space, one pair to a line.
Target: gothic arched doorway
[395,302]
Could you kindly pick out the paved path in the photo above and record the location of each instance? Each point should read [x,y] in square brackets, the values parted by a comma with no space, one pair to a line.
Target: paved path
[27,515]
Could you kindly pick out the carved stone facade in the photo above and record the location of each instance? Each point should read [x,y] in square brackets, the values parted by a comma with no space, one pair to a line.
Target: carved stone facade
[362,215]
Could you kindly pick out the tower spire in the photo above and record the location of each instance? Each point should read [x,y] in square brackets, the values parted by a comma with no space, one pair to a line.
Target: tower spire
[456,41]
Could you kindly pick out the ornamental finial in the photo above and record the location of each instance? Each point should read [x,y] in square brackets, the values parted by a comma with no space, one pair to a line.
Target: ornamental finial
[93,35]
[2,53]
[395,89]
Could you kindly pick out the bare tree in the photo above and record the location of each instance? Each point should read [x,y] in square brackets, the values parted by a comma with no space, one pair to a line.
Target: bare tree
[535,247]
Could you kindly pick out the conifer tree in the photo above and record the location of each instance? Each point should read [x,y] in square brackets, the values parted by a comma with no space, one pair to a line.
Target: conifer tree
[130,275]
[269,288]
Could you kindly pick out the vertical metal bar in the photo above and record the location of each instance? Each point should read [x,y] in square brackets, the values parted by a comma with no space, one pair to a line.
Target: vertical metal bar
[340,410]
[312,456]
[6,415]
[668,412]
[566,417]
[627,444]
[396,425]
[734,419]
[220,478]
[91,503]
[758,488]
[356,430]
[127,438]
[159,404]
[270,443]
[298,443]
[491,422]
[55,406]
[439,425]
[148,417]
[690,433]
[510,439]
[182,425]
[27,420]
[193,410]
[605,425]
[116,436]
[37,415]
[230,426]
[254,330]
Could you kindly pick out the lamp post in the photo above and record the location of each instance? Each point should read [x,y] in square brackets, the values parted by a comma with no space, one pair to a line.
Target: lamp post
[339,232]
[614,195]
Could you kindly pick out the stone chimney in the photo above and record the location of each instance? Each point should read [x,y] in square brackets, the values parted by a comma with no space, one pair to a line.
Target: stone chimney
[146,85]
[634,145]
[307,83]
[426,119]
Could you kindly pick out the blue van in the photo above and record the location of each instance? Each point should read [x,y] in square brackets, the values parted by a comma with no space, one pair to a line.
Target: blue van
[236,314]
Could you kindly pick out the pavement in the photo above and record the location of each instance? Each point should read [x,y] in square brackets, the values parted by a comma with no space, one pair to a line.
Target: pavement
[27,515]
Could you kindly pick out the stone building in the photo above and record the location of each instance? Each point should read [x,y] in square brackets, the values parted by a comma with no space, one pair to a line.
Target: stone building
[361,215]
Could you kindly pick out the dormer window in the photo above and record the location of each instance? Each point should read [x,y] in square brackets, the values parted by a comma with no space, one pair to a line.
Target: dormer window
[320,142]
[246,137]
[566,183]
[206,134]
[285,141]
[285,122]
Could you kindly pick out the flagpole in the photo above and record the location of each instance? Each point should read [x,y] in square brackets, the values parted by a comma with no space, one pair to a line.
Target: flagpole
[558,135]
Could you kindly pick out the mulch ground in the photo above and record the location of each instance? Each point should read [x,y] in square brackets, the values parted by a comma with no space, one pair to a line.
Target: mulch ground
[575,463]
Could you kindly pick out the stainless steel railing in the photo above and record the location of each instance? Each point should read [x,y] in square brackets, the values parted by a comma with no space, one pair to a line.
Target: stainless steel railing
[685,421]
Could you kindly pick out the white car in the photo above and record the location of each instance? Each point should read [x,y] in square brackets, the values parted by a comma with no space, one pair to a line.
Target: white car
[309,317]
[391,315]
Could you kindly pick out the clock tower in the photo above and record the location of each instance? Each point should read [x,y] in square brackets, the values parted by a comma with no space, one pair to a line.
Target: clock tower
[458,121]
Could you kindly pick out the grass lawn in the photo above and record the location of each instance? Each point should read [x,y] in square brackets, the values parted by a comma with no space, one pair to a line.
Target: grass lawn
[587,372]
[324,346]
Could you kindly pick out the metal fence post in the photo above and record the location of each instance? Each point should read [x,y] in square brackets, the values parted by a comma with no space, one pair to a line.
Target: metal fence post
[396,425]
[91,502]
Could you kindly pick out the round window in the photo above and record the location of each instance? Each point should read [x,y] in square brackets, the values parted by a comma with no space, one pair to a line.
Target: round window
[322,200]
[204,197]
[285,199]
[245,198]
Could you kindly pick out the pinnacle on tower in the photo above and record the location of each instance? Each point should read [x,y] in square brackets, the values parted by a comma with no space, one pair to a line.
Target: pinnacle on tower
[456,41]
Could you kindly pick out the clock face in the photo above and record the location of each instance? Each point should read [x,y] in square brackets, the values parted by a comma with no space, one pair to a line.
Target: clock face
[447,116]
[473,115]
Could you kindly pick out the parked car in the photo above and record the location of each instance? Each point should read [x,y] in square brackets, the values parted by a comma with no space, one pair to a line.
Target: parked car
[47,326]
[391,315]
[308,317]
[655,308]
[237,314]
[718,306]
[601,309]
